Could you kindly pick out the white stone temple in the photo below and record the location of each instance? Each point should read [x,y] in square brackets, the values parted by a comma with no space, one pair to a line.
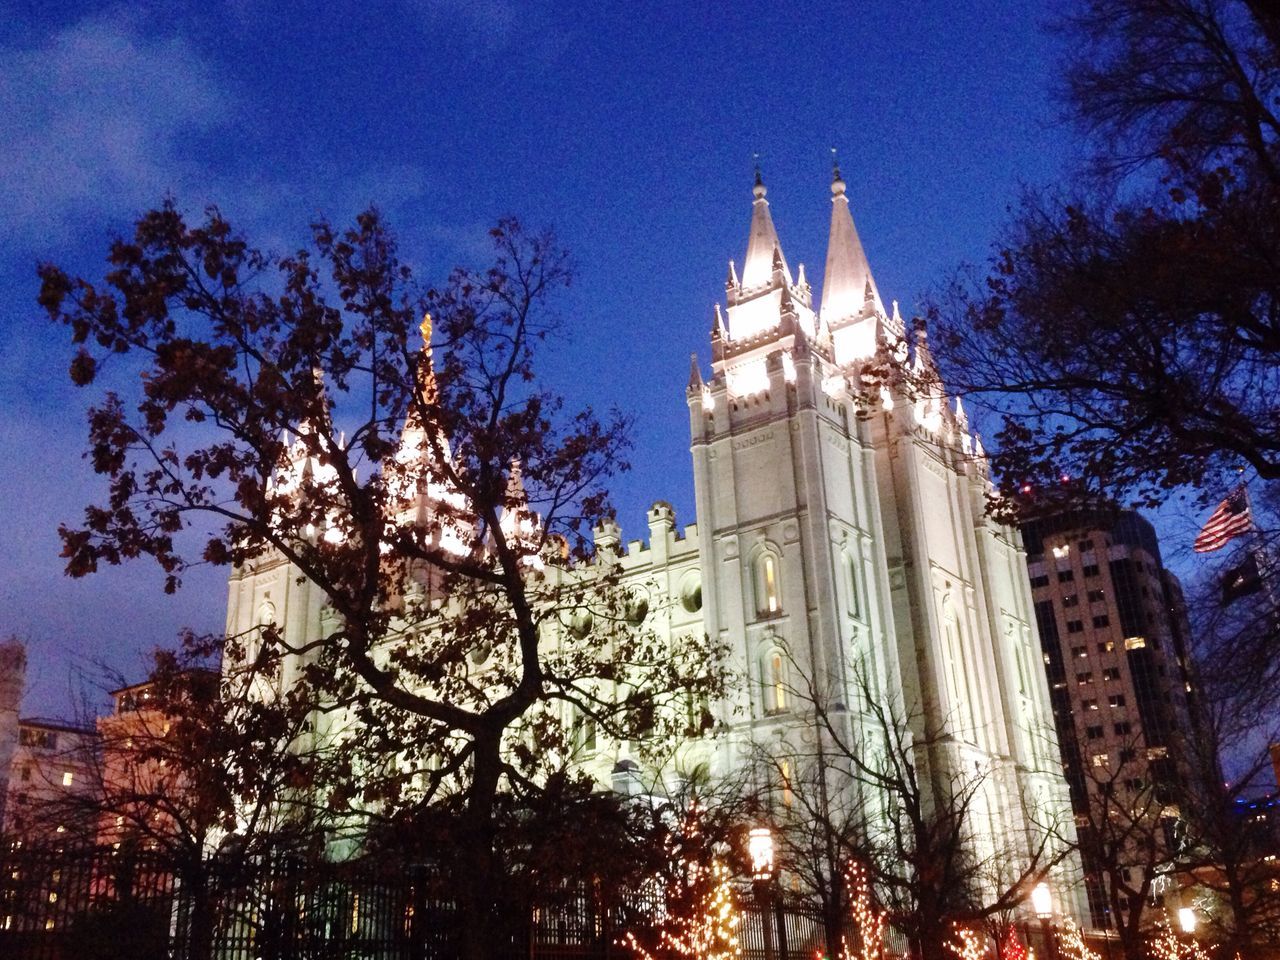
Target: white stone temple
[840,534]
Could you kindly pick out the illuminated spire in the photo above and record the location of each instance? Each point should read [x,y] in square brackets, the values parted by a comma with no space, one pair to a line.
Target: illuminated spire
[762,243]
[847,287]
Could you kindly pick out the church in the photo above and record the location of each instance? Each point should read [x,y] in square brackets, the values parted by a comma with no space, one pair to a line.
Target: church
[840,546]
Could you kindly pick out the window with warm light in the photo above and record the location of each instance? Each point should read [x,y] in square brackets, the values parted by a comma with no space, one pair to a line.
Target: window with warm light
[775,682]
[67,778]
[768,598]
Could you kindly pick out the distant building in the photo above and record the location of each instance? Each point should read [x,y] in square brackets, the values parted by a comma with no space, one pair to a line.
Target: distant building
[13,671]
[1114,633]
[142,788]
[53,776]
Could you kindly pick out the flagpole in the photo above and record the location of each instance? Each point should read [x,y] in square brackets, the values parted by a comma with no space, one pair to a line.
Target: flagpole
[1262,557]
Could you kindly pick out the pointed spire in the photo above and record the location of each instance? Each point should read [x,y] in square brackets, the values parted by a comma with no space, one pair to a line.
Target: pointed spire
[801,281]
[695,374]
[717,327]
[519,524]
[732,280]
[763,247]
[924,359]
[847,286]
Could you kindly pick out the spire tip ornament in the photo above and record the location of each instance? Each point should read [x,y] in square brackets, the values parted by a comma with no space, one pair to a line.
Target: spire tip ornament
[425,327]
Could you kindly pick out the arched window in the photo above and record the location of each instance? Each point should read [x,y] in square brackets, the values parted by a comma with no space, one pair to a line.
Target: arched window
[958,689]
[784,782]
[850,567]
[273,667]
[768,584]
[776,688]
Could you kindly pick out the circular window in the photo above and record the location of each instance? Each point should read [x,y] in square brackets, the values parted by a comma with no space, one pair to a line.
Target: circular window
[691,595]
[581,622]
[637,609]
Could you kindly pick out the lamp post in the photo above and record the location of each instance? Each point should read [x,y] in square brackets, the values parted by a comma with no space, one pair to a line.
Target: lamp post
[760,851]
[1042,904]
[1187,920]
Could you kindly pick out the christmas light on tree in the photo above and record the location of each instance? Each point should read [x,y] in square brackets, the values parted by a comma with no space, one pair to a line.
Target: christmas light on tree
[867,920]
[968,944]
[1167,945]
[1015,949]
[702,926]
[1071,945]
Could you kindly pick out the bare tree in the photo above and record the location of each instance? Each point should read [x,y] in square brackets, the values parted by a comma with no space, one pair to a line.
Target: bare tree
[882,787]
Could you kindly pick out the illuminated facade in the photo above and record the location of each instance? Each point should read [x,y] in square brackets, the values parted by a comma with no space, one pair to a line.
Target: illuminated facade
[840,546]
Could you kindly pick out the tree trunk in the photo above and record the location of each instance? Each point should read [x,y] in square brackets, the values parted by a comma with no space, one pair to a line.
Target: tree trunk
[478,893]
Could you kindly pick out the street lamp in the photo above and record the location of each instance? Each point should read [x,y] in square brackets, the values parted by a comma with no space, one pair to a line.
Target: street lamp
[760,852]
[1187,920]
[1042,904]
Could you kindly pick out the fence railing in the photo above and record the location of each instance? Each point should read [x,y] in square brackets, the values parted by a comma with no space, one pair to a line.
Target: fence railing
[98,904]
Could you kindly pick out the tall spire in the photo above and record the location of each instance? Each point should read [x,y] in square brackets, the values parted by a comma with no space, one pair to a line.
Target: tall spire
[757,267]
[847,287]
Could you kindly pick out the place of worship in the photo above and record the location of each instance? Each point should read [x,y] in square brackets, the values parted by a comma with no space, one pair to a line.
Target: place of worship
[841,545]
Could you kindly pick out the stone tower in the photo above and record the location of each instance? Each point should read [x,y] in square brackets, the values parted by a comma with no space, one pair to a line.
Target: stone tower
[844,545]
[13,672]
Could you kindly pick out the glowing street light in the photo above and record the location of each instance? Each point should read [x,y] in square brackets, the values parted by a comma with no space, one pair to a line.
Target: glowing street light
[1042,904]
[1187,920]
[760,850]
[1042,900]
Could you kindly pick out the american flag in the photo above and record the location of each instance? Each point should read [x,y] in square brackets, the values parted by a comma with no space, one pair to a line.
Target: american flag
[1230,520]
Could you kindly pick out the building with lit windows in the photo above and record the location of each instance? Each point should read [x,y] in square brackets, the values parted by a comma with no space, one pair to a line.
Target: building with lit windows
[1114,635]
[841,535]
[54,766]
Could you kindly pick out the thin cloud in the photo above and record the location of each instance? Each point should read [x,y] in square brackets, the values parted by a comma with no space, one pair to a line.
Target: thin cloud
[93,119]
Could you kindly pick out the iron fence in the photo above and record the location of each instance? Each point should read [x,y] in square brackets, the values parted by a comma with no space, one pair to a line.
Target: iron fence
[99,904]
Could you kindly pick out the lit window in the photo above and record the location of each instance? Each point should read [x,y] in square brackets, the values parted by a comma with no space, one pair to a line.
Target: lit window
[784,769]
[1062,551]
[776,695]
[1135,643]
[771,584]
[767,577]
[1100,759]
[67,778]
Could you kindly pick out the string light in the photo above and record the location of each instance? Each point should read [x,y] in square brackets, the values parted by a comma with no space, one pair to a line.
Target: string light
[700,914]
[1014,949]
[1071,945]
[867,920]
[968,945]
[1167,945]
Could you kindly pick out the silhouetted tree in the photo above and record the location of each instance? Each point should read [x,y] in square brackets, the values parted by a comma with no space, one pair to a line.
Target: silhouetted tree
[442,500]
[1128,330]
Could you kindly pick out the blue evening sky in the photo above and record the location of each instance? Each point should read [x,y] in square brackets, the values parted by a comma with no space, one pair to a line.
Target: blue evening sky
[629,127]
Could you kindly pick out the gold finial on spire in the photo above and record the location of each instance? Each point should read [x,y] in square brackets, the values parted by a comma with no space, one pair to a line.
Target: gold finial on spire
[425,327]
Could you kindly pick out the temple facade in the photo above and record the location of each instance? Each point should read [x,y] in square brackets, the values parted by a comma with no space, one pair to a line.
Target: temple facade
[841,552]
